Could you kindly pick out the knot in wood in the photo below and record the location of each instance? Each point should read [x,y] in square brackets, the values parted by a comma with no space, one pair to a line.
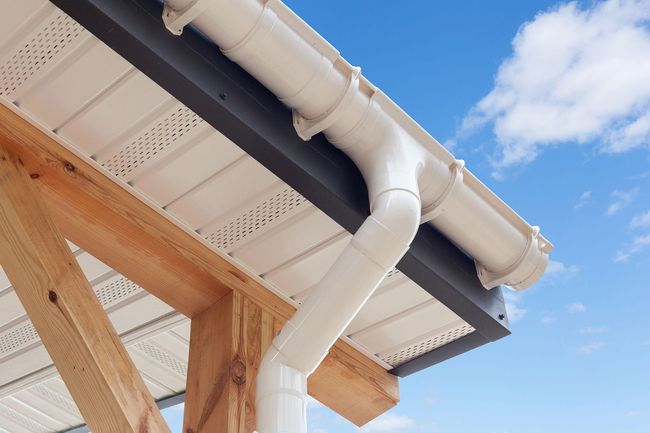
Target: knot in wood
[238,372]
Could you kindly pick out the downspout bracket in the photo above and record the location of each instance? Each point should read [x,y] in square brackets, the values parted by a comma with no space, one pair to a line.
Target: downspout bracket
[175,21]
[307,128]
[435,209]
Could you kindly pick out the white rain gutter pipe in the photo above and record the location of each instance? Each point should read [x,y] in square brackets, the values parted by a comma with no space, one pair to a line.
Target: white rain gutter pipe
[411,178]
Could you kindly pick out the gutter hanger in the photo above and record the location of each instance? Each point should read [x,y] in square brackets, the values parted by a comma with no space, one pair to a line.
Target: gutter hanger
[411,179]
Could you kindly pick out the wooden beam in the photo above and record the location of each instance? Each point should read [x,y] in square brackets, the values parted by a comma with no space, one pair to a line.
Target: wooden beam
[100,215]
[75,330]
[227,342]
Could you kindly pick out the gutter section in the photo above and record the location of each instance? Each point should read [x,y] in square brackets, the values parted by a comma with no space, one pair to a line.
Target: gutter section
[329,95]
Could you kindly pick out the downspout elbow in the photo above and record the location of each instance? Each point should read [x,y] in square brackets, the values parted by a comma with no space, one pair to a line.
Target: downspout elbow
[307,337]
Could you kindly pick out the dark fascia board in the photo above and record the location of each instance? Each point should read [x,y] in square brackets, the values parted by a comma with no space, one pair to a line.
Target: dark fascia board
[193,70]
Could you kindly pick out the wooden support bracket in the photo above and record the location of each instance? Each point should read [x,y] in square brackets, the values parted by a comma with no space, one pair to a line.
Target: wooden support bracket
[75,330]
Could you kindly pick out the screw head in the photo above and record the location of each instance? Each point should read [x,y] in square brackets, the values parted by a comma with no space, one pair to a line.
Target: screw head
[69,167]
[223,96]
[502,316]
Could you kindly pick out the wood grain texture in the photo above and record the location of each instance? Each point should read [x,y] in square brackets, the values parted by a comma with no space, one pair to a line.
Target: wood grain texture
[97,213]
[227,342]
[75,330]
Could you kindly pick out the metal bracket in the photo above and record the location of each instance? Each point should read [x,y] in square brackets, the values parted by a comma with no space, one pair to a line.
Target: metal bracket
[494,279]
[435,209]
[175,21]
[307,128]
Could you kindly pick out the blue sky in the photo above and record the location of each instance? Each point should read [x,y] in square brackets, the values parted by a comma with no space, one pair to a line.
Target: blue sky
[549,104]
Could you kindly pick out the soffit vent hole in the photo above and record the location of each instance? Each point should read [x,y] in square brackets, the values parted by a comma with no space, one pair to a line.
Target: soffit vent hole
[15,338]
[115,291]
[29,59]
[162,357]
[153,141]
[256,218]
[24,334]
[22,420]
[428,345]
[56,398]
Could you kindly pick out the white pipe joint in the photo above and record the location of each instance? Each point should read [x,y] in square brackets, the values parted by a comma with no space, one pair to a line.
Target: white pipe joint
[375,249]
[280,397]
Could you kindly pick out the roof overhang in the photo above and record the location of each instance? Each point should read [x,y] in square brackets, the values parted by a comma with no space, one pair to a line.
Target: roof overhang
[124,228]
[194,71]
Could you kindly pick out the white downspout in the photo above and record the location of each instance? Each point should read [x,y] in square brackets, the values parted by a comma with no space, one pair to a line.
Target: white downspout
[410,177]
[306,339]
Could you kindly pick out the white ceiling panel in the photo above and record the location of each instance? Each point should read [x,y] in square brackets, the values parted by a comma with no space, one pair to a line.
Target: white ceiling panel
[189,166]
[48,421]
[10,307]
[42,398]
[287,240]
[305,271]
[405,325]
[387,301]
[65,89]
[23,11]
[228,188]
[115,112]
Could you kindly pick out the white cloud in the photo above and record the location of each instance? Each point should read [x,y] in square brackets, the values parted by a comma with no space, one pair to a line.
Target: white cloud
[515,312]
[548,319]
[621,199]
[584,198]
[621,257]
[575,75]
[431,401]
[642,220]
[512,300]
[577,307]
[638,245]
[590,348]
[389,422]
[556,269]
[633,135]
[592,330]
[632,413]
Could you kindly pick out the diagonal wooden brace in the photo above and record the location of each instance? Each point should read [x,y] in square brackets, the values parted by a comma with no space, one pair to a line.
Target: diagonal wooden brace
[75,330]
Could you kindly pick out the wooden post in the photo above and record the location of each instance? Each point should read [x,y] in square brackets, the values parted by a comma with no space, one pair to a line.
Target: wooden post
[227,342]
[72,325]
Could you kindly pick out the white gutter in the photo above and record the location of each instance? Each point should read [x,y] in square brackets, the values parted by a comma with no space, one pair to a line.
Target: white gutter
[411,179]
